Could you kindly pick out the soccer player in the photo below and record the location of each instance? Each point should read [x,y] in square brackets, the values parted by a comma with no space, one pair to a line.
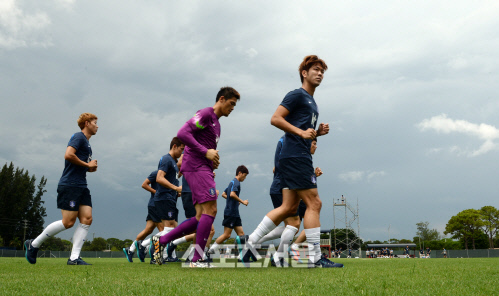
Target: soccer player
[165,198]
[297,117]
[232,219]
[190,211]
[200,135]
[152,221]
[73,196]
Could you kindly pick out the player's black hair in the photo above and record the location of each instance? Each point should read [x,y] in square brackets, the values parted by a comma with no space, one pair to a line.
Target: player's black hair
[228,93]
[242,169]
[175,141]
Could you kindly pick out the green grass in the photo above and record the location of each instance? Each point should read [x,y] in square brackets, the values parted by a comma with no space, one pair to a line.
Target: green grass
[478,276]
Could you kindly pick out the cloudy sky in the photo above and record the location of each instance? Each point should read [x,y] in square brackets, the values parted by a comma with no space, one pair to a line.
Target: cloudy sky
[411,97]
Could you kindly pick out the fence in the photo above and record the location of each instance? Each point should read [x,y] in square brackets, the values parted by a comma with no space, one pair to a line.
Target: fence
[484,253]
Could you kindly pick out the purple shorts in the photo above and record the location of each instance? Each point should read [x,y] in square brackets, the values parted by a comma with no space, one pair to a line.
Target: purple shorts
[202,184]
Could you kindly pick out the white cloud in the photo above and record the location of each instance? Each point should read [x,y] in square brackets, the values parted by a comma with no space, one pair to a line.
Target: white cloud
[19,29]
[443,124]
[357,176]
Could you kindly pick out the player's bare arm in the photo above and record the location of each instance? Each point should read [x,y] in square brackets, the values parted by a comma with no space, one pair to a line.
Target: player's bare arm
[233,195]
[147,186]
[70,156]
[161,180]
[278,120]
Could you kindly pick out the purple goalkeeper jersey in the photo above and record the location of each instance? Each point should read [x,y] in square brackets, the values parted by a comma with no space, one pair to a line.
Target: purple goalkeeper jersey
[199,134]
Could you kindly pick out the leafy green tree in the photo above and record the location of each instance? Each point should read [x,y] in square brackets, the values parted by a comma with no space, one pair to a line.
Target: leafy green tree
[21,205]
[53,244]
[490,218]
[115,244]
[98,244]
[465,225]
[425,233]
[341,235]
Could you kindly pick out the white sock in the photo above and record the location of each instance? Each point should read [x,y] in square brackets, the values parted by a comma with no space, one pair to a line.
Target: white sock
[179,241]
[295,247]
[145,243]
[262,229]
[51,230]
[276,233]
[132,247]
[166,230]
[78,240]
[277,256]
[314,243]
[214,247]
[174,254]
[287,237]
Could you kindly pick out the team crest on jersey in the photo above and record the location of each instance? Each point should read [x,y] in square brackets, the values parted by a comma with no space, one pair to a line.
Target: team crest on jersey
[313,179]
[213,191]
[72,203]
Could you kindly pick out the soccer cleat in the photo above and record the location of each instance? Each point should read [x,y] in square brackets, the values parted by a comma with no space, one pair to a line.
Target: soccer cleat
[241,241]
[173,260]
[199,264]
[170,247]
[31,252]
[295,255]
[208,258]
[128,254]
[158,250]
[272,263]
[281,263]
[325,263]
[152,261]
[78,261]
[151,250]
[141,250]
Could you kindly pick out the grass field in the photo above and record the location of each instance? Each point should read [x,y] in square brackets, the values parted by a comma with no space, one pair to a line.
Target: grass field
[478,276]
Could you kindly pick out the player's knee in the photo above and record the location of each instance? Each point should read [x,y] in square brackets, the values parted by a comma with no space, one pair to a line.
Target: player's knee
[68,224]
[212,232]
[315,205]
[86,220]
[291,210]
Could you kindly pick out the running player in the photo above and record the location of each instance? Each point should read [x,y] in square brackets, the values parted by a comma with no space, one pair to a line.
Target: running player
[152,221]
[165,199]
[73,196]
[201,134]
[232,219]
[297,116]
[190,211]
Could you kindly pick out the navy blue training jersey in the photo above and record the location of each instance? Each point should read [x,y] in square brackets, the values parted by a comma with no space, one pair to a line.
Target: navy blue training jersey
[275,188]
[168,165]
[232,206]
[75,175]
[303,113]
[185,185]
[154,185]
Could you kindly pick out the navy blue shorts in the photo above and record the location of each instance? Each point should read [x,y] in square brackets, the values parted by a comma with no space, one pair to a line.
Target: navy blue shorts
[277,202]
[152,215]
[166,209]
[232,222]
[71,198]
[190,210]
[297,173]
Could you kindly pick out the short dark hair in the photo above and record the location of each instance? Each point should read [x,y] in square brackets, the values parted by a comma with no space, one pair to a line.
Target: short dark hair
[176,141]
[228,93]
[308,62]
[242,169]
